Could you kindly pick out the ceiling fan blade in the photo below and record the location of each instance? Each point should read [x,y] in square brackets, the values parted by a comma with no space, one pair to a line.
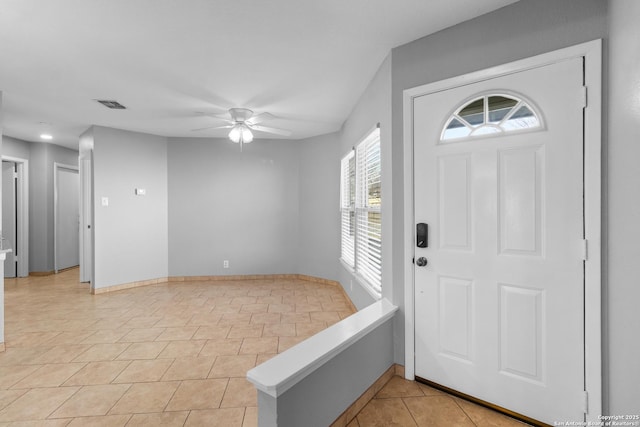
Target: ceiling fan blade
[212,127]
[221,116]
[259,118]
[282,132]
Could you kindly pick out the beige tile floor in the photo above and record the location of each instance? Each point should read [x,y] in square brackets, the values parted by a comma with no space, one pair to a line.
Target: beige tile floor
[408,403]
[175,354]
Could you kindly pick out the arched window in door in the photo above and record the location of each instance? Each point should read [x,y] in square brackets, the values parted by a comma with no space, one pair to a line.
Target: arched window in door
[490,114]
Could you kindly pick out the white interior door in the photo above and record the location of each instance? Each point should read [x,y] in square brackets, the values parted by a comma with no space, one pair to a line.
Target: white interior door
[9,222]
[67,218]
[499,307]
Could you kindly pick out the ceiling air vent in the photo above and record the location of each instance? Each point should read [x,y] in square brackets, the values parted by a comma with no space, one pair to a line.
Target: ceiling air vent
[114,105]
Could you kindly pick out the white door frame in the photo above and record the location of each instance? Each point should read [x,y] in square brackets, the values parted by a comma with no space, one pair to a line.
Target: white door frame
[56,167]
[22,214]
[592,54]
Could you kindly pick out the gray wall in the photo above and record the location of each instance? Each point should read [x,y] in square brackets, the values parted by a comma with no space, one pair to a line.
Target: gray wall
[319,214]
[42,158]
[221,204]
[130,235]
[520,30]
[622,211]
[15,147]
[230,205]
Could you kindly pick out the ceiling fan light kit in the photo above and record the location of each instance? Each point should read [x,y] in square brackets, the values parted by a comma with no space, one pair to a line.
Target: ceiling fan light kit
[240,133]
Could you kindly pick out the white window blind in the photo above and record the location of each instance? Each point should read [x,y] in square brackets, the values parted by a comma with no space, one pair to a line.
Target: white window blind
[348,208]
[361,212]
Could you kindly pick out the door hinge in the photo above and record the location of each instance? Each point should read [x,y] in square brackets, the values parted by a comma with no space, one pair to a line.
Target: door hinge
[585,249]
[585,401]
[15,175]
[583,96]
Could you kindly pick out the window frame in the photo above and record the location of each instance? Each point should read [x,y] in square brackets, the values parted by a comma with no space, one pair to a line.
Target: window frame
[362,256]
[498,127]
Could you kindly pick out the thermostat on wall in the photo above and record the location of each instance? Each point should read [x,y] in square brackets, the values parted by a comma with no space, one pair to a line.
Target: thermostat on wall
[141,192]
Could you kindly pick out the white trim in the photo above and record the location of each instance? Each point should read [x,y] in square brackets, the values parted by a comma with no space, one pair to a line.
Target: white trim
[56,167]
[409,247]
[592,52]
[22,205]
[593,228]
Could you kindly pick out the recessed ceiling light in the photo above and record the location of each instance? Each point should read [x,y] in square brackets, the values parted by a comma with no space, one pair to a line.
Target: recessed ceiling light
[46,136]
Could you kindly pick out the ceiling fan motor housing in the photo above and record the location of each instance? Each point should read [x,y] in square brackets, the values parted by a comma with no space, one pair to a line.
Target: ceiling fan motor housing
[240,114]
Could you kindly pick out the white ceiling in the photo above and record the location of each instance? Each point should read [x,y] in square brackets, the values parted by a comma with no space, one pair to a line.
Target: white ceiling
[168,61]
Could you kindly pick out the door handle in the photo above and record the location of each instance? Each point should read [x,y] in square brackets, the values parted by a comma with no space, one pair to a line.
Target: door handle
[421,262]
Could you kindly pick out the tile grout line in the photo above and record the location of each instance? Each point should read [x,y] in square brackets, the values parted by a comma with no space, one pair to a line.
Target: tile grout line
[465,412]
[409,410]
[60,405]
[164,408]
[120,398]
[224,392]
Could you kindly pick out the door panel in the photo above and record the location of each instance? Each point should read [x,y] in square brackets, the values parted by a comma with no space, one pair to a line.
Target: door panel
[499,306]
[520,200]
[456,317]
[521,331]
[454,176]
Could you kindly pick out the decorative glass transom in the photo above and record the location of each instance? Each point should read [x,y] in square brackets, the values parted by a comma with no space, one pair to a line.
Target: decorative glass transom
[490,114]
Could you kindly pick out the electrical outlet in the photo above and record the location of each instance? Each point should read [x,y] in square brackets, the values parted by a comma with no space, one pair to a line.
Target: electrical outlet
[225,263]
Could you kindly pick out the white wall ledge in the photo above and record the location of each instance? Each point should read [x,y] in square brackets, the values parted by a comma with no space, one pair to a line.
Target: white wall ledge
[279,374]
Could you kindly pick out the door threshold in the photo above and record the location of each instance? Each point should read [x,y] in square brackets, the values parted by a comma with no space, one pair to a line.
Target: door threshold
[500,409]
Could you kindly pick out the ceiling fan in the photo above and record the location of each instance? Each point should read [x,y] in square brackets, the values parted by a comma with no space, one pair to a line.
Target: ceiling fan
[242,121]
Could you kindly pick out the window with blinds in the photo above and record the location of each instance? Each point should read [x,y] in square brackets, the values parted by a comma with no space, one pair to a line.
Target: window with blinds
[348,208]
[361,212]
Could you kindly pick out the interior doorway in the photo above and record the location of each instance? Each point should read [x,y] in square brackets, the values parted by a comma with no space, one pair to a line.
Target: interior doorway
[66,217]
[15,215]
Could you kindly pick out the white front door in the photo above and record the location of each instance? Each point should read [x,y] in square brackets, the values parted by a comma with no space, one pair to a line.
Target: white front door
[499,306]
